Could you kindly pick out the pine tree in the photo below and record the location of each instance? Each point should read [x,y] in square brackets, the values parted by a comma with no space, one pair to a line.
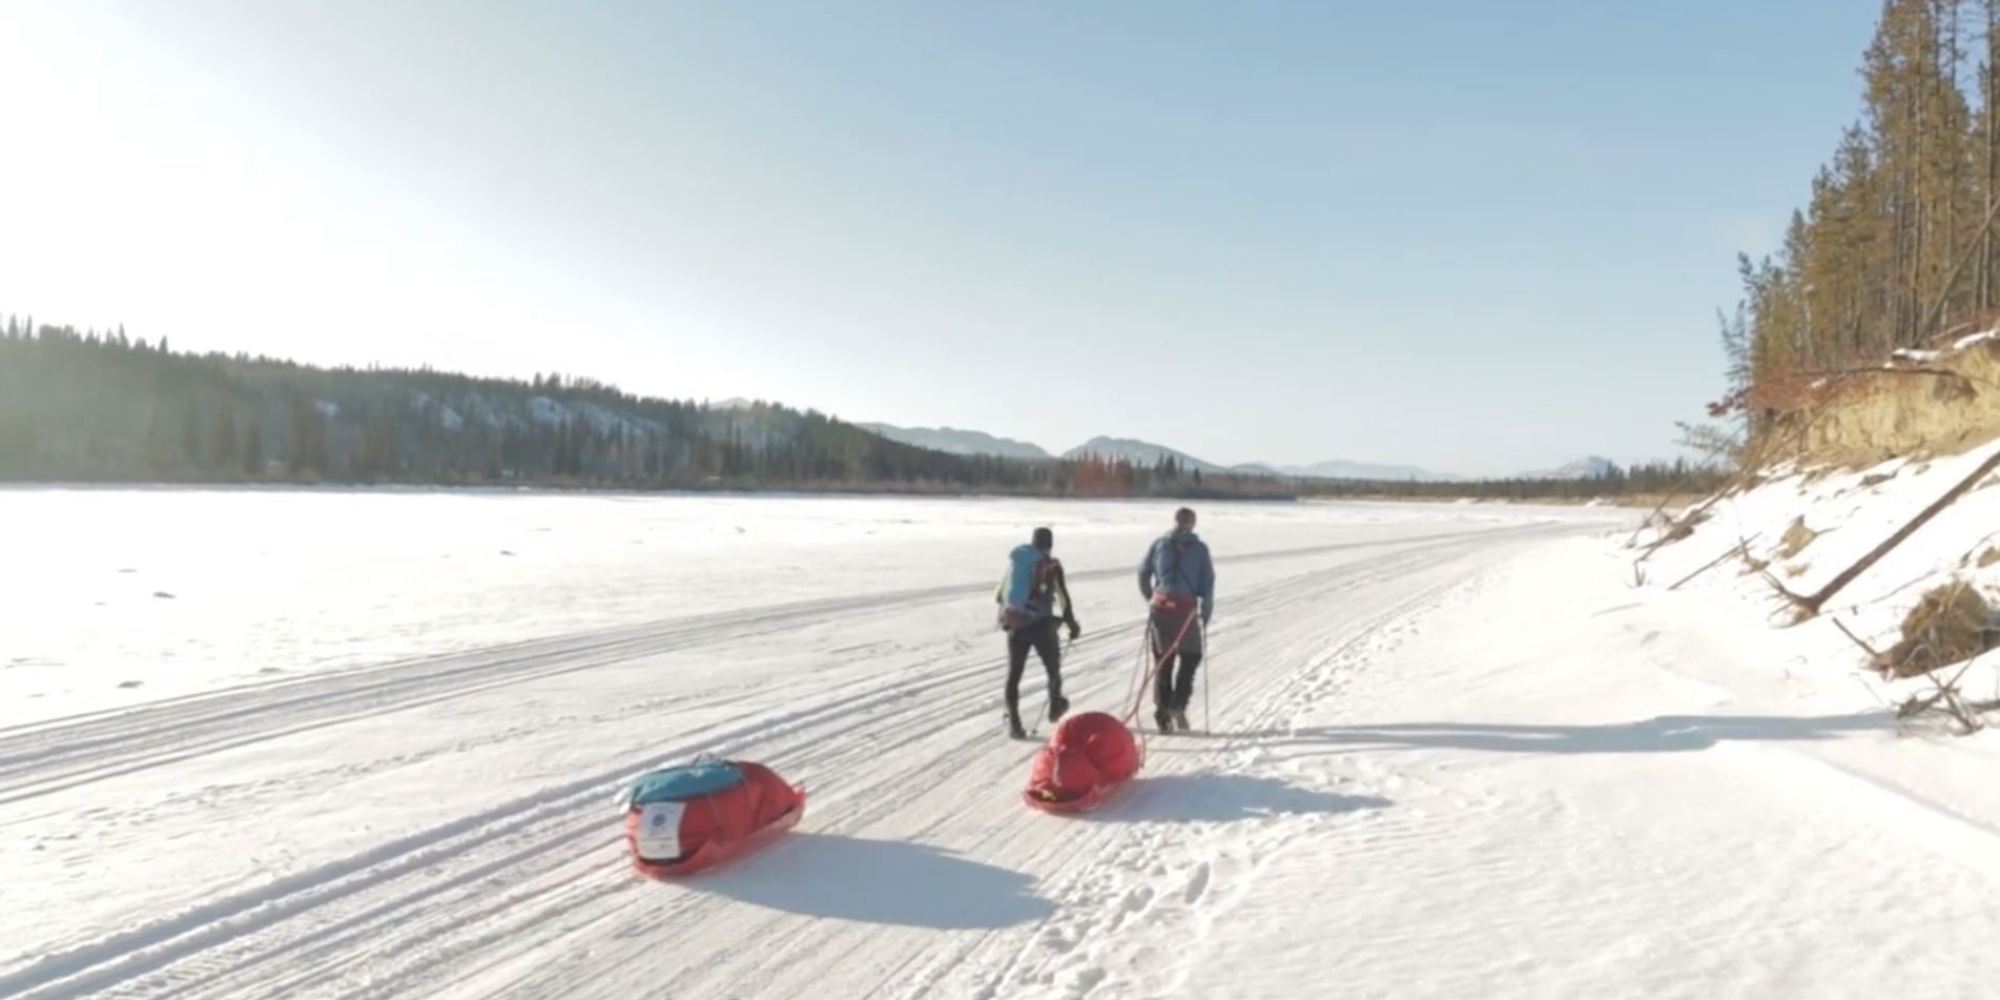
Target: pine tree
[1895,244]
[253,449]
[191,439]
[309,445]
[1988,134]
[226,439]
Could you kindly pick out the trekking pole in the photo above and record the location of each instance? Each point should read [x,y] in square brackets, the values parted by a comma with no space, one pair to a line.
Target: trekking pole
[1210,650]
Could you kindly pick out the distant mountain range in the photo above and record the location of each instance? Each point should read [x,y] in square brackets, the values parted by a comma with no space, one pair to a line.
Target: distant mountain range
[953,441]
[1138,453]
[1339,469]
[1590,467]
[1145,453]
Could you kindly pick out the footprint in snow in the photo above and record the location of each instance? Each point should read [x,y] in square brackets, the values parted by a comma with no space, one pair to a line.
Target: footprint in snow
[1083,981]
[1197,886]
[164,596]
[131,684]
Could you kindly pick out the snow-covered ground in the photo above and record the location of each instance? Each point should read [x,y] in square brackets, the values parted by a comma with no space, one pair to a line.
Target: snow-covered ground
[114,598]
[1844,515]
[1455,753]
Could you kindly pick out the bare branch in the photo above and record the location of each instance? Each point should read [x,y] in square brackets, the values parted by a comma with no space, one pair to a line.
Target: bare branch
[1742,547]
[1810,606]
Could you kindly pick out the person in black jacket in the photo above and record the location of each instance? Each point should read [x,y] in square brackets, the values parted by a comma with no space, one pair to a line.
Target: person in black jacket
[1028,597]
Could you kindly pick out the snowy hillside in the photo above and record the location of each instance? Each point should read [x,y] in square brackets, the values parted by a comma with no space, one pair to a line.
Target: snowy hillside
[1805,532]
[953,441]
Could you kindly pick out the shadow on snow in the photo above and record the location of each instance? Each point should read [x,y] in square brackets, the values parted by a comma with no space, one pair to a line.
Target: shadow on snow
[1661,734]
[1223,798]
[878,882]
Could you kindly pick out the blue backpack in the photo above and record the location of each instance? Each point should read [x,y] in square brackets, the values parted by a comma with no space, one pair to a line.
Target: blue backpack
[1029,588]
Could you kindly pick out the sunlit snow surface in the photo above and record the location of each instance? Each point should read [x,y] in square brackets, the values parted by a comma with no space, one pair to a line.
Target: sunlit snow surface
[1452,752]
[114,597]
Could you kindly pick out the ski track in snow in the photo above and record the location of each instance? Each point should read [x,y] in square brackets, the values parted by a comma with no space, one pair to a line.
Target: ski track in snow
[911,872]
[1446,765]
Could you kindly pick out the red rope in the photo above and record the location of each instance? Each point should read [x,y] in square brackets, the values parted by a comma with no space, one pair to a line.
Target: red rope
[1151,675]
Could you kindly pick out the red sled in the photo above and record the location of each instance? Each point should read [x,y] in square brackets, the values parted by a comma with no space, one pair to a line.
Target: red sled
[1097,796]
[1090,757]
[683,820]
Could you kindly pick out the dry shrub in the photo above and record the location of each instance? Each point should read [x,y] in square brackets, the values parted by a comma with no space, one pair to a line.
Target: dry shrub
[1947,626]
[1797,537]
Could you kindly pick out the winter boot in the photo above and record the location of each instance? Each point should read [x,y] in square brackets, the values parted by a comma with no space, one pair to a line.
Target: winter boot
[1058,707]
[1165,720]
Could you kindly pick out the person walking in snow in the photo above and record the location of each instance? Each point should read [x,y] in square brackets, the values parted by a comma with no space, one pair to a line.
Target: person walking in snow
[1178,578]
[1027,597]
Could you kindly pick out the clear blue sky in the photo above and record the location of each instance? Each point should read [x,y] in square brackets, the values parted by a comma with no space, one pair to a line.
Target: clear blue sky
[1476,236]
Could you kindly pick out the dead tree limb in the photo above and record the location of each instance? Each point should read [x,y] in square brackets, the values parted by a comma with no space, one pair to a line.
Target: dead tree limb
[1874,655]
[1954,702]
[1742,547]
[1810,606]
[1633,542]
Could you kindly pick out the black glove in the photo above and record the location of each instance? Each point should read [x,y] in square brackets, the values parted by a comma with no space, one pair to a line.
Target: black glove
[1074,629]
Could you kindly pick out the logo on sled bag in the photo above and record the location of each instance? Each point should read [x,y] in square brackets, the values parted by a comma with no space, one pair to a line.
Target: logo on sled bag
[659,837]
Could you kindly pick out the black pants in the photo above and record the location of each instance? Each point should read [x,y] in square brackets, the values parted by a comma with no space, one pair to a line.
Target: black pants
[1041,637]
[1173,688]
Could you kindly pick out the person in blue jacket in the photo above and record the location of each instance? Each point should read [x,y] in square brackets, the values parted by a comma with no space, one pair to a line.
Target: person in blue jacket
[1027,596]
[1178,578]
